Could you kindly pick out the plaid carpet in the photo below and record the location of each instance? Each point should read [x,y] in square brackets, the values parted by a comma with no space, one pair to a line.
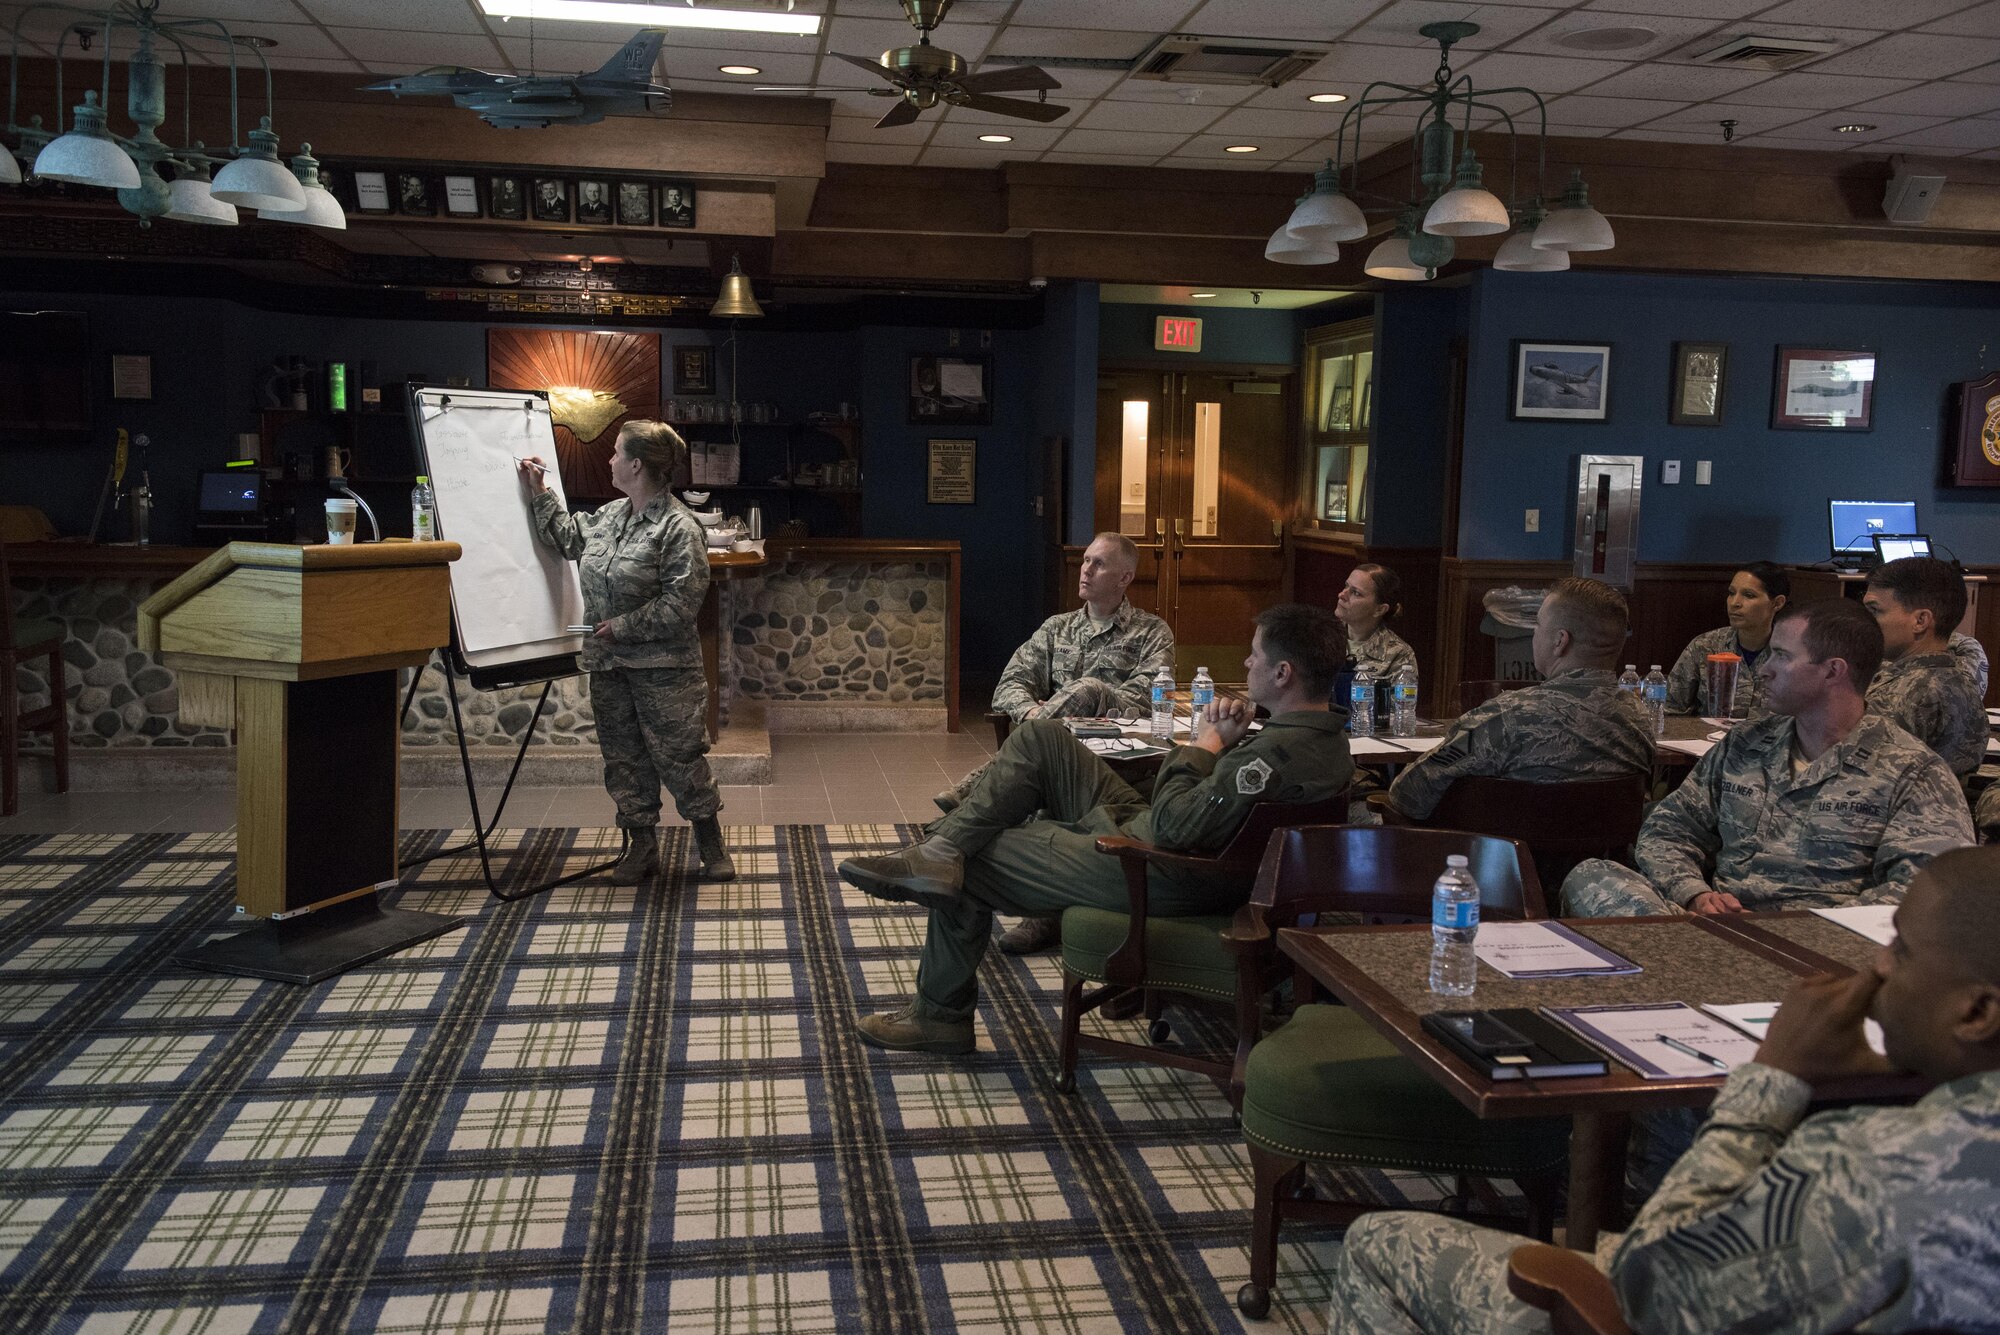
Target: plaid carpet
[598,1110]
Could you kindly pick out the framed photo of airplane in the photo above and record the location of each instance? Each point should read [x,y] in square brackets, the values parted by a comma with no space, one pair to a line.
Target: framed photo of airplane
[1823,389]
[1560,382]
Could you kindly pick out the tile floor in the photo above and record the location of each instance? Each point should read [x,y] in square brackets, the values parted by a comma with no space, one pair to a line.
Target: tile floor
[819,778]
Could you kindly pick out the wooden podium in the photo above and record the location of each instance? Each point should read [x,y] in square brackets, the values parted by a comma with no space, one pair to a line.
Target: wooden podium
[297,649]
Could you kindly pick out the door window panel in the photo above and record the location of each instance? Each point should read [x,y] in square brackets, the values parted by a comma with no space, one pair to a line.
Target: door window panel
[1133,439]
[1204,494]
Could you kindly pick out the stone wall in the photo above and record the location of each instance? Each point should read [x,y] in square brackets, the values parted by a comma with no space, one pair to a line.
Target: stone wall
[841,631]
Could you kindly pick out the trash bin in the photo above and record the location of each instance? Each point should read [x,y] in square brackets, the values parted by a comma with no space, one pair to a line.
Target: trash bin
[1510,620]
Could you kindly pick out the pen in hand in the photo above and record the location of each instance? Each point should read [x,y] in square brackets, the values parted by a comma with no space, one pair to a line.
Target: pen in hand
[1691,1051]
[535,464]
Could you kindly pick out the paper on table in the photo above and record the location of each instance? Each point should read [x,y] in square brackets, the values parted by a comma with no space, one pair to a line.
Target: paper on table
[1688,747]
[1631,1034]
[1545,950]
[1877,922]
[1754,1018]
[1121,746]
[1391,747]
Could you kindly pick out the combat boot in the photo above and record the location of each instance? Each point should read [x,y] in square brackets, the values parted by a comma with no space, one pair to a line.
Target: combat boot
[716,864]
[641,858]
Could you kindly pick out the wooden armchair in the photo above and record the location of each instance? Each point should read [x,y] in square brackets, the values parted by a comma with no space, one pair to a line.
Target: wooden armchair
[1135,952]
[1561,822]
[1565,1284]
[21,641]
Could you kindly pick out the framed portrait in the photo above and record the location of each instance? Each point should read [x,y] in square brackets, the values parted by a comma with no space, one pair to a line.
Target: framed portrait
[694,369]
[1560,382]
[1697,383]
[953,470]
[677,204]
[550,200]
[371,192]
[505,198]
[1823,389]
[956,390]
[461,196]
[635,203]
[413,195]
[593,201]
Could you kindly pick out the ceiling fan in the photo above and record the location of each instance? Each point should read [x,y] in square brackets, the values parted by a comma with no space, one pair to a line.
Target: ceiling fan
[922,76]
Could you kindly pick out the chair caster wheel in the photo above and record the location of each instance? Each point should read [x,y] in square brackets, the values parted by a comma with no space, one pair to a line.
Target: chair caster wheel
[1158,1032]
[1254,1301]
[1066,1082]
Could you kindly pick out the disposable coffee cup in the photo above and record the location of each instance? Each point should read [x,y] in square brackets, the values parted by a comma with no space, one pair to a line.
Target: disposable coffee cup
[1725,677]
[339,521]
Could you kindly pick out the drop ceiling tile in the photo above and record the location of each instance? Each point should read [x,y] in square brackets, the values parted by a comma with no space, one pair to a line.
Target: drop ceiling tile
[899,155]
[870,37]
[861,130]
[1678,81]
[1353,65]
[552,57]
[1190,94]
[1818,92]
[1984,74]
[1311,122]
[294,39]
[1819,128]
[742,43]
[1315,21]
[1028,139]
[1270,148]
[1170,117]
[1978,21]
[376,47]
[1749,120]
[1710,9]
[1144,16]
[1123,142]
[1672,31]
[1397,25]
[1969,135]
[1911,55]
[1939,99]
[1860,13]
[1547,75]
[1295,95]
[1076,43]
[409,15]
[1582,109]
[705,65]
[1100,159]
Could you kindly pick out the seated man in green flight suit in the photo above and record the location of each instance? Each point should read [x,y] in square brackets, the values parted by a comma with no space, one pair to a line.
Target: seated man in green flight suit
[982,858]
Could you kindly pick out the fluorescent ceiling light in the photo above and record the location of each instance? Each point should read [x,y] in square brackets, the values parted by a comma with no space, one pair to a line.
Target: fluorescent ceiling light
[626,12]
[1198,296]
[738,69]
[996,138]
[1327,97]
[1241,148]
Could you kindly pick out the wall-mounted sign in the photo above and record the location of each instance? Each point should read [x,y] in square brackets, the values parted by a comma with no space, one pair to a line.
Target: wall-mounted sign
[1176,333]
[952,472]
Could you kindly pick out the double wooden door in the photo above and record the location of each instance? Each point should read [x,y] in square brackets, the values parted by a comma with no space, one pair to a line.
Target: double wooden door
[1194,467]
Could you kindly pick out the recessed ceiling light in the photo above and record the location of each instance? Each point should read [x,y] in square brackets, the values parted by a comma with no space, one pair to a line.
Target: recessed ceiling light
[1241,148]
[996,138]
[1856,128]
[1327,97]
[1198,296]
[625,13]
[1621,38]
[739,69]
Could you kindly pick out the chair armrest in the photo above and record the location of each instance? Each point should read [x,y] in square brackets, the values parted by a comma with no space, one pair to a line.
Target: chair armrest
[1126,966]
[1565,1284]
[1138,850]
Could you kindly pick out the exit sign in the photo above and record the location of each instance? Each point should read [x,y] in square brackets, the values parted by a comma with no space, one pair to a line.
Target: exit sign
[1176,333]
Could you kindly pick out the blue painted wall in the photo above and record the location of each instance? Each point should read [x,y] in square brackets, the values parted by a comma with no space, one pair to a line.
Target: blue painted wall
[1771,487]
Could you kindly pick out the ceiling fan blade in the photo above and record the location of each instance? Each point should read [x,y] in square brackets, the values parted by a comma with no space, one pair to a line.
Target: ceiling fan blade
[874,67]
[1022,79]
[1012,106]
[819,88]
[900,114]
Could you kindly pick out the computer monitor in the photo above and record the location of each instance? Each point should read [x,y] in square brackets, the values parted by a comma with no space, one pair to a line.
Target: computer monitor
[228,492]
[1854,524]
[1895,546]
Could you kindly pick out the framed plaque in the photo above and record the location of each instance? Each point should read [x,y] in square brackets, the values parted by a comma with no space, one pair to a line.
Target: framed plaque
[1697,384]
[1975,433]
[953,470]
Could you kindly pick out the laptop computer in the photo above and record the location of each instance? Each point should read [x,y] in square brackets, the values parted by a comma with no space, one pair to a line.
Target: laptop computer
[1895,546]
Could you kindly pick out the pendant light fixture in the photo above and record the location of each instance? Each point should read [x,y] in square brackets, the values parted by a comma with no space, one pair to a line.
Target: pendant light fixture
[1288,247]
[88,155]
[1468,208]
[188,197]
[322,209]
[1519,255]
[736,300]
[1325,216]
[257,180]
[1391,257]
[1573,224]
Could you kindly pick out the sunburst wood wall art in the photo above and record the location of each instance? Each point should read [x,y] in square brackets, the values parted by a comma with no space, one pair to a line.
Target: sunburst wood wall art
[596,383]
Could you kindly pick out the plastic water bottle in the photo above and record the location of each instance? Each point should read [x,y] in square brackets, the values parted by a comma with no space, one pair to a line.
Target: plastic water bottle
[1630,680]
[1655,696]
[1403,702]
[1361,702]
[1201,694]
[1454,928]
[423,518]
[1163,705]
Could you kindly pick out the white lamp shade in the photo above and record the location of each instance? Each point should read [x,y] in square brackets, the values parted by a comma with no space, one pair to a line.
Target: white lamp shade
[1285,248]
[1574,229]
[321,210]
[1518,255]
[1391,259]
[1327,218]
[1467,212]
[87,159]
[189,201]
[10,170]
[259,183]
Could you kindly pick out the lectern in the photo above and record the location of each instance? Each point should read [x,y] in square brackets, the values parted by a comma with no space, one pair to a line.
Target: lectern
[297,649]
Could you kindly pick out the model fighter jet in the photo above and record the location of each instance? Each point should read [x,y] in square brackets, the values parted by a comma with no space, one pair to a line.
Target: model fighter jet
[1564,381]
[537,101]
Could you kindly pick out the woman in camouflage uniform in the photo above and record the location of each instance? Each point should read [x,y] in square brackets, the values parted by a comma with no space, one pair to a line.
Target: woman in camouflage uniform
[643,563]
[1757,593]
[1370,600]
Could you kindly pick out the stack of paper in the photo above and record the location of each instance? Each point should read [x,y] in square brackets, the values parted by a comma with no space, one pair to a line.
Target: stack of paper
[1754,1019]
[1877,922]
[1668,1040]
[1545,950]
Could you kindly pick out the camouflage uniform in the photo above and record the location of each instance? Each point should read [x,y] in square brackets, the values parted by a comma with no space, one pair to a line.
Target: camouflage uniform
[1575,725]
[1987,814]
[1687,684]
[1044,866]
[1931,697]
[1862,1218]
[1072,669]
[1971,656]
[646,574]
[1384,652]
[1853,828]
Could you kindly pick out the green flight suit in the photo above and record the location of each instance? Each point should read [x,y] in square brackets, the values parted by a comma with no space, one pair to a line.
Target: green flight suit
[1042,867]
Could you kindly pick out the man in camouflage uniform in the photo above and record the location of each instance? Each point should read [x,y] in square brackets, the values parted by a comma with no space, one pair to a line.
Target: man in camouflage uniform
[988,856]
[1971,656]
[1922,687]
[1987,814]
[1574,724]
[1865,1218]
[1815,804]
[1098,660]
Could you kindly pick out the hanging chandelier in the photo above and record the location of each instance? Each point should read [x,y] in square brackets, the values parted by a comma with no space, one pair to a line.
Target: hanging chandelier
[1448,197]
[88,153]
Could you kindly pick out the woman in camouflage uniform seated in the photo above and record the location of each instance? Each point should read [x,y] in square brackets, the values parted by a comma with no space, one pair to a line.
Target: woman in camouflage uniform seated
[1757,593]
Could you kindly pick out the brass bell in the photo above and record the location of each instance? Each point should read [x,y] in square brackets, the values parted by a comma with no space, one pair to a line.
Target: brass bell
[736,299]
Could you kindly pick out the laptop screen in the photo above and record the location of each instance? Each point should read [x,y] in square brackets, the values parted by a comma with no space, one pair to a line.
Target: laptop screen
[1854,524]
[1896,547]
[231,491]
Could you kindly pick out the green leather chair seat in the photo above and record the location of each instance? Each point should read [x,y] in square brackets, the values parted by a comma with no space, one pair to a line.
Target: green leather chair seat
[1182,954]
[1327,1087]
[34,632]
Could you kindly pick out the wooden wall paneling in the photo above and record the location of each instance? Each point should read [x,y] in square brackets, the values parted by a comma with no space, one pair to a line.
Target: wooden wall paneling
[596,381]
[1671,604]
[1465,653]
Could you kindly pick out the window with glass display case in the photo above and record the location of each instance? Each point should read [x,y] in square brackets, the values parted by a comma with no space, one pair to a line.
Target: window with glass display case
[1339,402]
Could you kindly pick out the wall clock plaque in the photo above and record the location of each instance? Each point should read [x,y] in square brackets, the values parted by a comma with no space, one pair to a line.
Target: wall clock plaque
[1975,436]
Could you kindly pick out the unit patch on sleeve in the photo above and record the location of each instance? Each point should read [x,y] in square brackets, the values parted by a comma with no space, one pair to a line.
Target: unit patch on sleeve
[1252,777]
